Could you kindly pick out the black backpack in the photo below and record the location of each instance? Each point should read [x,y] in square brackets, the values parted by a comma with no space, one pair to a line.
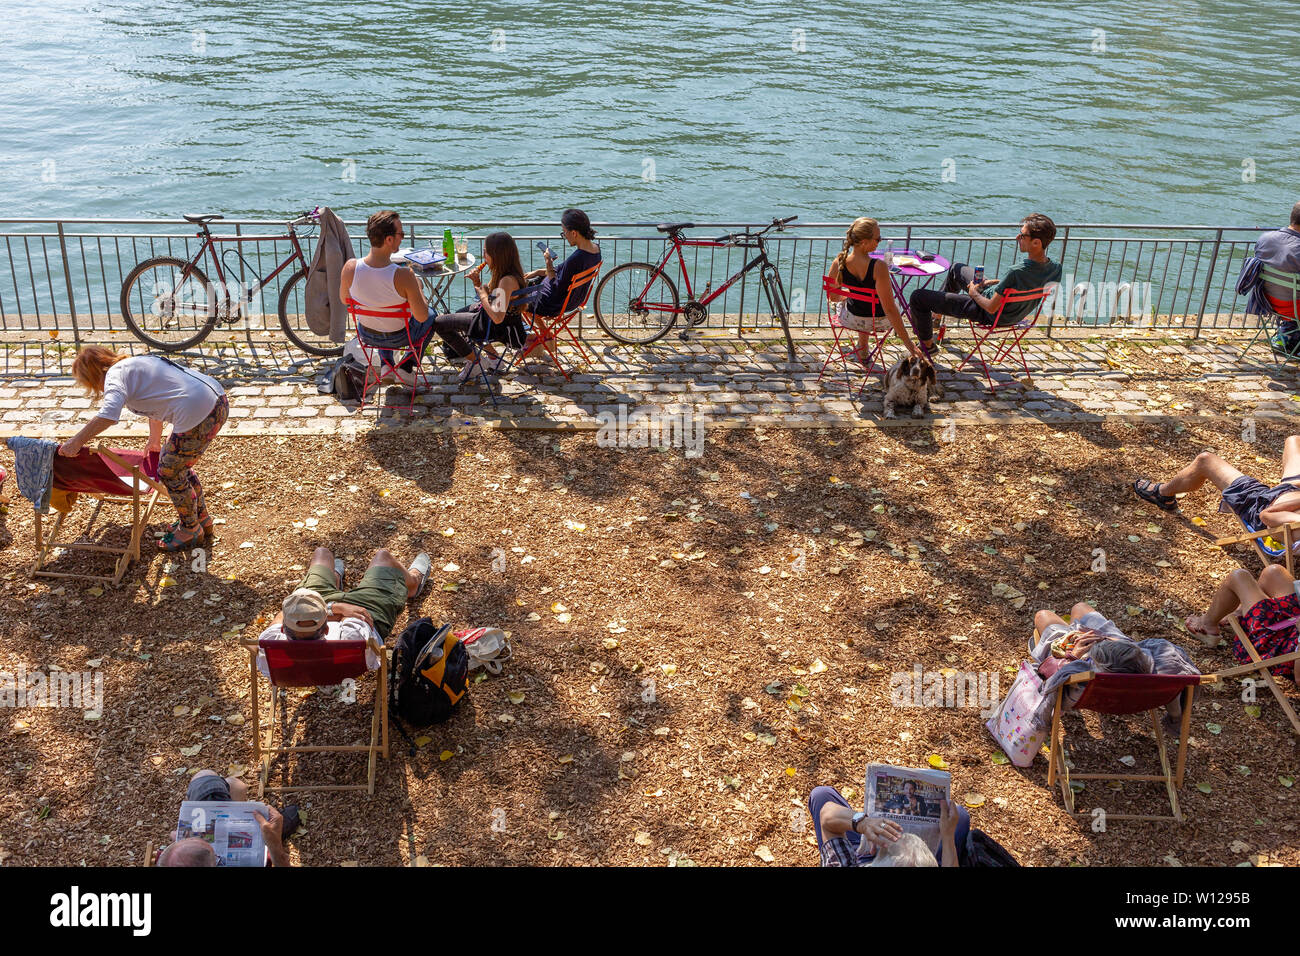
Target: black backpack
[347,379]
[982,850]
[428,675]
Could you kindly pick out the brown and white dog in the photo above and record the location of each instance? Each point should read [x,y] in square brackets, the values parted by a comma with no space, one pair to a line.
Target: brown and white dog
[911,382]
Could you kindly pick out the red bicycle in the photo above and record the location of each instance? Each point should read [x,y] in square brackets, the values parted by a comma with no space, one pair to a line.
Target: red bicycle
[170,304]
[637,303]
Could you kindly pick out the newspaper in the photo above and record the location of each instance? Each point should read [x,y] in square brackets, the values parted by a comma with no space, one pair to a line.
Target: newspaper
[908,796]
[229,826]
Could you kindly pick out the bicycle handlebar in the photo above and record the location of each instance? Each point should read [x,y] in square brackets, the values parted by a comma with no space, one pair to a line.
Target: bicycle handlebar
[777,224]
[309,216]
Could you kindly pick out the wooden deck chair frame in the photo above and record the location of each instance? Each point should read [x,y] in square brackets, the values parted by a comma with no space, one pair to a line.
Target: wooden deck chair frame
[265,749]
[142,497]
[1289,533]
[1259,669]
[1013,333]
[843,354]
[1172,778]
[549,328]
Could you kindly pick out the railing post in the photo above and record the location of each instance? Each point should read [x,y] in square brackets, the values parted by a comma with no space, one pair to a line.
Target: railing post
[1051,318]
[1209,275]
[67,279]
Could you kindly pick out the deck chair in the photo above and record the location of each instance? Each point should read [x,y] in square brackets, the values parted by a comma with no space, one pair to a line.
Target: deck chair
[109,476]
[1010,336]
[1260,668]
[548,329]
[1270,321]
[523,300]
[845,355]
[1269,543]
[1123,694]
[385,369]
[313,663]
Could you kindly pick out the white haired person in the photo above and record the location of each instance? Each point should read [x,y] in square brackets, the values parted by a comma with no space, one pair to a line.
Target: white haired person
[851,838]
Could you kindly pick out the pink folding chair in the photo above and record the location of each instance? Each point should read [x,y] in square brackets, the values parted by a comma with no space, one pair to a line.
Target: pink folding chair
[843,354]
[1010,334]
[314,663]
[375,373]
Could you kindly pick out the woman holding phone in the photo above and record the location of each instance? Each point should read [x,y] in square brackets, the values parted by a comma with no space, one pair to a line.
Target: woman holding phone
[456,329]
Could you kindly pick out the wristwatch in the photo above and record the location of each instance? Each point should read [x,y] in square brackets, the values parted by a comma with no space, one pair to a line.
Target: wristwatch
[857,818]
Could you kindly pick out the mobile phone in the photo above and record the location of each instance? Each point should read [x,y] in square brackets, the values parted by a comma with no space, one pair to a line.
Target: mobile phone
[545,249]
[979,274]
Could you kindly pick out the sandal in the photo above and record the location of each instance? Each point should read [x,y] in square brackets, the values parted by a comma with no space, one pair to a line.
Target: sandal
[171,543]
[1149,491]
[421,566]
[1202,632]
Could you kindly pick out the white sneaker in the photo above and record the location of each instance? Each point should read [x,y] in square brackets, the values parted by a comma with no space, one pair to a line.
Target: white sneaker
[466,372]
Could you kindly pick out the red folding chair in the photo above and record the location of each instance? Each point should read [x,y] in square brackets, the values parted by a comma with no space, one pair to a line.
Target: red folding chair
[1011,333]
[547,329]
[314,663]
[843,354]
[376,373]
[1123,694]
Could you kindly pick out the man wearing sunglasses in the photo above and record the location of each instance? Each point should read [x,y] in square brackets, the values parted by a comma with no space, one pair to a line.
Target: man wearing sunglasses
[961,298]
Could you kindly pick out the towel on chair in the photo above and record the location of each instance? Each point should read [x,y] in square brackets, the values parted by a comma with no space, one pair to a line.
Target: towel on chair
[34,469]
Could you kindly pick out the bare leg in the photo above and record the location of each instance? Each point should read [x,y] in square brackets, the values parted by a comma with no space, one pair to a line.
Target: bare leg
[1275,581]
[383,559]
[1238,590]
[324,556]
[238,789]
[1291,456]
[1207,466]
[1045,619]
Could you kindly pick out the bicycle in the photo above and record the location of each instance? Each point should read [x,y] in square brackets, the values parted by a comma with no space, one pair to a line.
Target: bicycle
[170,304]
[637,303]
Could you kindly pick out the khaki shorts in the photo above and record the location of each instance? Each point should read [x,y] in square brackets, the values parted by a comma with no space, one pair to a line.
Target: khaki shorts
[381,591]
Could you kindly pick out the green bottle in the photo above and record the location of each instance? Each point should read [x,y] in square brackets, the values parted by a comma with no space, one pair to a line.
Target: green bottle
[449,248]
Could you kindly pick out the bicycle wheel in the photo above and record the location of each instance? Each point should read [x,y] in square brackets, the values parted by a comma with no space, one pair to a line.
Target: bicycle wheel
[635,304]
[168,304]
[294,321]
[776,301]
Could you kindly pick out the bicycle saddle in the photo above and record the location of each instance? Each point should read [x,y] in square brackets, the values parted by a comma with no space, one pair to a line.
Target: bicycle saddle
[188,217]
[674,226]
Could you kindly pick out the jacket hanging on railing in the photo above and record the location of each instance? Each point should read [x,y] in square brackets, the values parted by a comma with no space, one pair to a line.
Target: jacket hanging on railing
[1249,284]
[325,311]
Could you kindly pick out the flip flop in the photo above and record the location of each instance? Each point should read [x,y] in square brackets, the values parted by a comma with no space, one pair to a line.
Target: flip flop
[338,572]
[1146,490]
[1208,637]
[421,566]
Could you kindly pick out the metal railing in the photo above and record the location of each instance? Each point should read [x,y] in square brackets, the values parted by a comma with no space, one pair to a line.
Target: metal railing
[61,278]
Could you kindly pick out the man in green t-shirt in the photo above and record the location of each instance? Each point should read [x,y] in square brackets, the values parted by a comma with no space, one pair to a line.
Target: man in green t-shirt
[962,298]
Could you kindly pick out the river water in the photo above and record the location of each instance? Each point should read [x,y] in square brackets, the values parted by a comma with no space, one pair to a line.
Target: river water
[1164,112]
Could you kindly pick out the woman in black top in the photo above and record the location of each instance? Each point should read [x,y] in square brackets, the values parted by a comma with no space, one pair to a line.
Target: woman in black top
[501,257]
[855,268]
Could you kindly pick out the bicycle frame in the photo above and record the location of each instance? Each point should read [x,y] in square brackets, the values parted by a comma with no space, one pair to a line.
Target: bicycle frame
[678,244]
[210,243]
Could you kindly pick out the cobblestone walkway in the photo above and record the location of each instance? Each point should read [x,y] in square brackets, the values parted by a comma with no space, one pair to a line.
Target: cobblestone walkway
[734,383]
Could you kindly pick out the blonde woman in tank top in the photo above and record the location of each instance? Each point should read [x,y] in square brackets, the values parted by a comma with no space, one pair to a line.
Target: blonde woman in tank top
[378,284]
[855,268]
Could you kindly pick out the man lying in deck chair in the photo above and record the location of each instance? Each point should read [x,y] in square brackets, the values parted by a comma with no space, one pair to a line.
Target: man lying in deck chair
[320,609]
[1255,503]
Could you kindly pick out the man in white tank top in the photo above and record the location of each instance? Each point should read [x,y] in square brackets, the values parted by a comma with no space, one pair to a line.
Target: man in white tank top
[377,283]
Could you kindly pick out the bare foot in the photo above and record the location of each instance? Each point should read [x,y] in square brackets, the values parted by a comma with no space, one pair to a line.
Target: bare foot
[1207,631]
